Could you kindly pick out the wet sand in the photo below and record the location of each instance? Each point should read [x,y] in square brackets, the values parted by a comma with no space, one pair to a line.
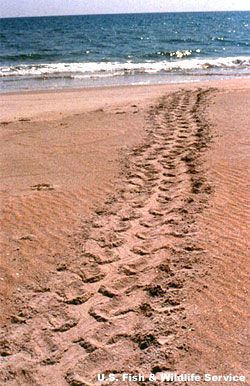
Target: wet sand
[124,233]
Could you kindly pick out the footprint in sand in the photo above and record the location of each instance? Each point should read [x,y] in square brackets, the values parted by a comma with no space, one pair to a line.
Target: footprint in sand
[39,187]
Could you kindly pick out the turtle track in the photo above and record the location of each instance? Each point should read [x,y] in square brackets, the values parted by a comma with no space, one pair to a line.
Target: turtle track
[119,305]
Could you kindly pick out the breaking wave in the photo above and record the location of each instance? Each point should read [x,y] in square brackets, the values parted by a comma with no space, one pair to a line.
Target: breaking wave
[109,69]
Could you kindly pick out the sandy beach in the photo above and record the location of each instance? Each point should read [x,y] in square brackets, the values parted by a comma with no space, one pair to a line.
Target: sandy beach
[125,234]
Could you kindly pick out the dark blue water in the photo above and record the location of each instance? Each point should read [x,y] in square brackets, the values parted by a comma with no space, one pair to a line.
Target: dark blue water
[94,50]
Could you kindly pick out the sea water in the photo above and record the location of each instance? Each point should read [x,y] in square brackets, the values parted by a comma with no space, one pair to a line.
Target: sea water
[100,50]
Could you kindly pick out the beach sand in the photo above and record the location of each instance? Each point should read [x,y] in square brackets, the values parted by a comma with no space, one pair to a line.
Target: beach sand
[124,233]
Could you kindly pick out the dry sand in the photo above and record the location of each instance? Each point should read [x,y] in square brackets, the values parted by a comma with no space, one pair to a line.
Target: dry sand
[124,233]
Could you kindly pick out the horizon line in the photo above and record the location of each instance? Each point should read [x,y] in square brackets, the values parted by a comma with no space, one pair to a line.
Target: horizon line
[122,13]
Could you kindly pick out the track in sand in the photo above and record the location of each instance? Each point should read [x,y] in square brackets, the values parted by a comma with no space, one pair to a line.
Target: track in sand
[119,305]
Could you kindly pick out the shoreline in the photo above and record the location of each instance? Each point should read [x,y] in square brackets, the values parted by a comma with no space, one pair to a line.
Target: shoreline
[163,84]
[123,230]
[199,79]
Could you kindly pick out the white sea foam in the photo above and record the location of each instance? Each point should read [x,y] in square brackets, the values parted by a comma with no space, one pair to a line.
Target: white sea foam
[107,69]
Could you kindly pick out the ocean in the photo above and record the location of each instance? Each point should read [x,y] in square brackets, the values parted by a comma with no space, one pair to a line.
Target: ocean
[102,50]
